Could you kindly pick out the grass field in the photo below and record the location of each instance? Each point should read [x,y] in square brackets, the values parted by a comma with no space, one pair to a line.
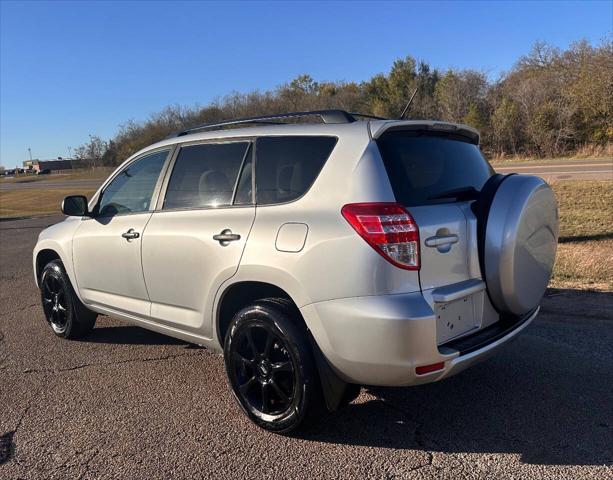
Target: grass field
[585,252]
[28,202]
[588,153]
[81,174]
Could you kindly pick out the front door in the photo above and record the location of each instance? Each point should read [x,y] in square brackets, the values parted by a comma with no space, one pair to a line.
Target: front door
[194,242]
[107,247]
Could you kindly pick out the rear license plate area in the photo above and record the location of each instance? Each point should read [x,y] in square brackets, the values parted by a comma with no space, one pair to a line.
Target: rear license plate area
[455,318]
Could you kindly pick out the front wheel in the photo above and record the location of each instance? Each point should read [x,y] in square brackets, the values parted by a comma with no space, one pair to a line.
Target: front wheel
[270,366]
[65,314]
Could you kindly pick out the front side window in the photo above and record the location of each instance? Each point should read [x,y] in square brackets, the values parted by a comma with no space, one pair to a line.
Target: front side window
[205,175]
[286,167]
[132,189]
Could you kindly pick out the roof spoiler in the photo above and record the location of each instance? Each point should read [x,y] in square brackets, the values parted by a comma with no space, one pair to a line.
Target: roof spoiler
[379,128]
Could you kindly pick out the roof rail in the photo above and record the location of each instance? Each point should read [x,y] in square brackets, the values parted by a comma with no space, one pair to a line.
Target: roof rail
[366,115]
[327,116]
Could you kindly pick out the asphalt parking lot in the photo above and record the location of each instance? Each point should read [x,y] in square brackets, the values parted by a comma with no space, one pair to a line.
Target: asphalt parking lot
[128,403]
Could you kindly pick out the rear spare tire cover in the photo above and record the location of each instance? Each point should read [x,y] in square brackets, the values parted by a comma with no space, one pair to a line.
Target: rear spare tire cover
[520,243]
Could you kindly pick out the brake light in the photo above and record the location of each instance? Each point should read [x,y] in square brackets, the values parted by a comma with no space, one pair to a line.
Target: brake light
[389,229]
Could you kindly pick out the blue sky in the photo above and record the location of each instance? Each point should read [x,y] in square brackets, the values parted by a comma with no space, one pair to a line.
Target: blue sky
[69,69]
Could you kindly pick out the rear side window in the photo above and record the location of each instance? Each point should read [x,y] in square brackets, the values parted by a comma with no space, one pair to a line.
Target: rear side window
[205,175]
[429,167]
[286,167]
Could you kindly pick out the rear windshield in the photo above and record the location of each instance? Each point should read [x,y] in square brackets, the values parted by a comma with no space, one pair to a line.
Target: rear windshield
[431,167]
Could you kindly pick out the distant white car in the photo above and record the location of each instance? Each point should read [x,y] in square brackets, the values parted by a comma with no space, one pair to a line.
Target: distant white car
[316,257]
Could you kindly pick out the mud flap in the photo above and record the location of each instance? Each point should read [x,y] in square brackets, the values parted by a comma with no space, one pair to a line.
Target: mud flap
[335,389]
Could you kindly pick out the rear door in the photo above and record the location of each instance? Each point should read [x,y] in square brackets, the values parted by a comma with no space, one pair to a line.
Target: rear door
[195,239]
[436,175]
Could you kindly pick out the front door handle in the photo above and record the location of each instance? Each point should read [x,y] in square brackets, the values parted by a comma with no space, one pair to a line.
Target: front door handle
[130,234]
[226,236]
[439,240]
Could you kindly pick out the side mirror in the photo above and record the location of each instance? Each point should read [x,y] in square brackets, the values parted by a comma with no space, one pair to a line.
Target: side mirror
[75,206]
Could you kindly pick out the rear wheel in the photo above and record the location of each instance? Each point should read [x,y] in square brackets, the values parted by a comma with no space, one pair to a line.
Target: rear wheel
[270,366]
[66,315]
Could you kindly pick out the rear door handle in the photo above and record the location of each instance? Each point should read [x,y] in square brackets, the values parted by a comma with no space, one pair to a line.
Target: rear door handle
[439,240]
[130,234]
[226,236]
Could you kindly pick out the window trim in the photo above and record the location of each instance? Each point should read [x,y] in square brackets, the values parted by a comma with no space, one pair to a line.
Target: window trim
[170,149]
[240,173]
[159,207]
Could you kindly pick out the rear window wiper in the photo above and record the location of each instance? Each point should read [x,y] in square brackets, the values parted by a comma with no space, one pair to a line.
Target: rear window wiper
[462,193]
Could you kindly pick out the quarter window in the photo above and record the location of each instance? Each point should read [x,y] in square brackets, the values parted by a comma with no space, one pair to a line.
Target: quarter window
[132,189]
[205,175]
[286,167]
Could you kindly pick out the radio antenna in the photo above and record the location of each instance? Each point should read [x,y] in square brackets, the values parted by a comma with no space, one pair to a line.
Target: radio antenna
[406,109]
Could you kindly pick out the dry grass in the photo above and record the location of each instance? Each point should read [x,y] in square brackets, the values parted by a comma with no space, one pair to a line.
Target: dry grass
[592,152]
[81,174]
[585,253]
[26,202]
[584,266]
[100,173]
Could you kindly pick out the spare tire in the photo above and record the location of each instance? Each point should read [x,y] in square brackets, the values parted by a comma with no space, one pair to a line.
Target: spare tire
[517,229]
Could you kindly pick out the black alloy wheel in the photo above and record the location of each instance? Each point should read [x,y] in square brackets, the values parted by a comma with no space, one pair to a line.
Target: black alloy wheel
[55,303]
[264,369]
[270,366]
[64,312]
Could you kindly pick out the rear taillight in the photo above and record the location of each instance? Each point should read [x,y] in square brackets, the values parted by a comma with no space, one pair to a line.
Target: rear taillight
[389,229]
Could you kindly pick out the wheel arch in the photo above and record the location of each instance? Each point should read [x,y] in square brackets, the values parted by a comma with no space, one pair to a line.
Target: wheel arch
[238,295]
[47,251]
[242,293]
[43,257]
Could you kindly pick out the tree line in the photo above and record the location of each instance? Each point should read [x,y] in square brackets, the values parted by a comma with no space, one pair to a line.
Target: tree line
[552,102]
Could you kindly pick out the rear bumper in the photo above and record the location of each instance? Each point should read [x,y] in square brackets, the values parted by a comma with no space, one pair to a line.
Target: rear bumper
[380,340]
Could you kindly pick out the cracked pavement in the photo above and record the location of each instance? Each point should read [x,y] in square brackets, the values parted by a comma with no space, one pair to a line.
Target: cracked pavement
[126,402]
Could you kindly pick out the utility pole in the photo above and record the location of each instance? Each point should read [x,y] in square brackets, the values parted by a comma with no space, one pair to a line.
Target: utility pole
[70,158]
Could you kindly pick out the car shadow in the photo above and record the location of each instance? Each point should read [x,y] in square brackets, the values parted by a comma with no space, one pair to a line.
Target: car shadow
[474,414]
[130,335]
[546,397]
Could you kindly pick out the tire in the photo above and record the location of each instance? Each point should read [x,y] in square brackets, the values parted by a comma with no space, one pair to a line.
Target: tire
[270,366]
[517,230]
[65,314]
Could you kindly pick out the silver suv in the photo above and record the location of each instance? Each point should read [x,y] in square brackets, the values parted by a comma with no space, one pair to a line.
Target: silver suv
[317,257]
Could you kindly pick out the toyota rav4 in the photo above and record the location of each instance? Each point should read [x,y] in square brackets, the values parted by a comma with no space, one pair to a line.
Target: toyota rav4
[317,257]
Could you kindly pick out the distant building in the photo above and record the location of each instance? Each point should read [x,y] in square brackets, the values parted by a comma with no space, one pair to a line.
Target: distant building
[53,165]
